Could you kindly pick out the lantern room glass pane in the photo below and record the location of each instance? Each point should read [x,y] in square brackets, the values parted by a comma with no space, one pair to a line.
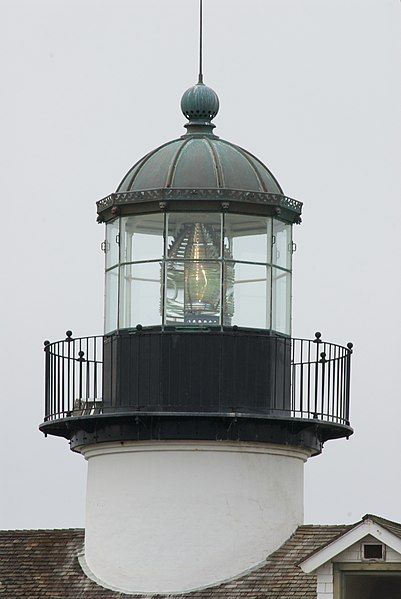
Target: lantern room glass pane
[193,236]
[112,243]
[140,293]
[174,268]
[281,301]
[142,237]
[111,300]
[282,244]
[247,238]
[248,294]
[193,290]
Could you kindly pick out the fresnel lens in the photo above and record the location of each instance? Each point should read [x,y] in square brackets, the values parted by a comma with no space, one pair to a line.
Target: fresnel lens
[194,281]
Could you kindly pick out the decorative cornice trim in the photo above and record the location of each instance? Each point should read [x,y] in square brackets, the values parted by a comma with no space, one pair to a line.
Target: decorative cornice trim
[165,194]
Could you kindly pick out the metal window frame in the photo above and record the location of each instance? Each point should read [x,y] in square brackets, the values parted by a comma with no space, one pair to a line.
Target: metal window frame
[341,568]
[164,260]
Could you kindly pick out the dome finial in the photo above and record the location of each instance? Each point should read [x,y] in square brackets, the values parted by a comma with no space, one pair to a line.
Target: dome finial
[199,105]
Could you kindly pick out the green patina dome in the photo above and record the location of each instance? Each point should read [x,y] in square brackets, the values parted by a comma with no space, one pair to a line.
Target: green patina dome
[199,171]
[200,162]
[199,159]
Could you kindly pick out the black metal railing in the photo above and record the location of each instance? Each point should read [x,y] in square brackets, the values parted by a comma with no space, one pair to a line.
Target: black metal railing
[73,377]
[301,379]
[320,380]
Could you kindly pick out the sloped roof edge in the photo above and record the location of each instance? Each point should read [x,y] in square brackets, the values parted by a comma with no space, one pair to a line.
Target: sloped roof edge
[44,564]
[383,530]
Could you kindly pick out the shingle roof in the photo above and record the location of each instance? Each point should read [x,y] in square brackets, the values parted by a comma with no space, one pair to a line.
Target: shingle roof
[393,527]
[43,564]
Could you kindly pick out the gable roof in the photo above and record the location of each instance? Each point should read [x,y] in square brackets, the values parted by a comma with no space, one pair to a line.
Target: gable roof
[43,564]
[393,527]
[385,531]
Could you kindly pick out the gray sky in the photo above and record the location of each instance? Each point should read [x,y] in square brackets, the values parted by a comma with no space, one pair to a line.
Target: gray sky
[312,87]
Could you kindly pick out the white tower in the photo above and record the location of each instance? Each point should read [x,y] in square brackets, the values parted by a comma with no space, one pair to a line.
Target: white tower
[196,410]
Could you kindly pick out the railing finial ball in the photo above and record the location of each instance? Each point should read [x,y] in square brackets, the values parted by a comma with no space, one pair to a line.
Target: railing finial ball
[350,345]
[46,343]
[138,327]
[68,334]
[317,337]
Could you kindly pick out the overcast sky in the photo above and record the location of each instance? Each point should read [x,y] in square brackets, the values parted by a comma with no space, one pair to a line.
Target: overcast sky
[312,87]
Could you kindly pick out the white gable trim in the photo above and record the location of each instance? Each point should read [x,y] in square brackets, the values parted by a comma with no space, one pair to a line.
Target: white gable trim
[367,527]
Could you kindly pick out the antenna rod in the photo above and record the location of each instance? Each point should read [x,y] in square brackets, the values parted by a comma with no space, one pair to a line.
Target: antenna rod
[200,78]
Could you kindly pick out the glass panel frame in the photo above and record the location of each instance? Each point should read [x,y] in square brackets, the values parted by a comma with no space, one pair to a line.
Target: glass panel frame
[282,244]
[192,292]
[248,238]
[251,295]
[182,225]
[142,238]
[217,240]
[140,294]
[281,301]
[112,249]
[111,300]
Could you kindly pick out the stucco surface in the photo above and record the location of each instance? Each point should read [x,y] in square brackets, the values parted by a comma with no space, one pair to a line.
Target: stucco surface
[203,512]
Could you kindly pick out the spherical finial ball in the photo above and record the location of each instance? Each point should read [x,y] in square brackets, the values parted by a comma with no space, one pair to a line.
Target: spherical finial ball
[200,103]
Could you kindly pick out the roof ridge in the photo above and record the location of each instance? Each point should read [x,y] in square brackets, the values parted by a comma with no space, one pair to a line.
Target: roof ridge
[378,519]
[324,525]
[38,530]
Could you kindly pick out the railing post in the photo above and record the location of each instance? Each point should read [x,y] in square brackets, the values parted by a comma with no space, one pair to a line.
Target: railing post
[323,361]
[301,377]
[81,360]
[348,381]
[317,340]
[293,381]
[48,410]
[68,340]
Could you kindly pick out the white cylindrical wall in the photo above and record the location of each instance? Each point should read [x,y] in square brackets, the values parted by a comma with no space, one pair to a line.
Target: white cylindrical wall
[169,517]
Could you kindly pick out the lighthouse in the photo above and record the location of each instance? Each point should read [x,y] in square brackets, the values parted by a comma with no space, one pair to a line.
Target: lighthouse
[197,409]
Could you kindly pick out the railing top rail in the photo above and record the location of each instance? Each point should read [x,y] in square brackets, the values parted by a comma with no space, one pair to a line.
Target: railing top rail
[319,341]
[73,348]
[53,346]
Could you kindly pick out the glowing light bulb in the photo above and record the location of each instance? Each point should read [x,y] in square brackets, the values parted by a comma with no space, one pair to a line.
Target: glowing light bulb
[194,277]
[201,277]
